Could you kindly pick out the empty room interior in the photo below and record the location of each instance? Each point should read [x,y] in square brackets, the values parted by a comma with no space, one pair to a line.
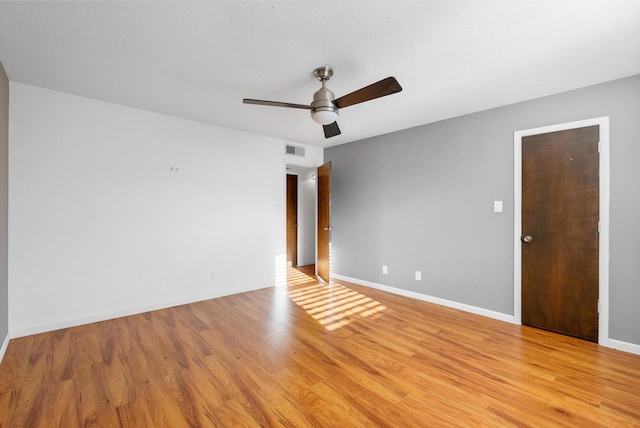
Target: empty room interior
[331,214]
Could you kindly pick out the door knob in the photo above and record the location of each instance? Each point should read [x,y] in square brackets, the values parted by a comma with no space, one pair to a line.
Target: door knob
[527,239]
[329,229]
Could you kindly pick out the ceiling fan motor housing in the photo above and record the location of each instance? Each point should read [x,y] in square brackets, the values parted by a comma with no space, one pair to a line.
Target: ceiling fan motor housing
[323,110]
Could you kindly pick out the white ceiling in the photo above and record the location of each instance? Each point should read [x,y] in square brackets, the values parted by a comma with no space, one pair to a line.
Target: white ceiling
[197,60]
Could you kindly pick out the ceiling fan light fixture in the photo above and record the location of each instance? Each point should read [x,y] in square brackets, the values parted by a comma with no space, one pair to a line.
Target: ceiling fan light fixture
[323,110]
[324,115]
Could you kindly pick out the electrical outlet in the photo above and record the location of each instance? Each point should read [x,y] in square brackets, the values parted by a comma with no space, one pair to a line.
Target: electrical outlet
[418,275]
[384,269]
[212,276]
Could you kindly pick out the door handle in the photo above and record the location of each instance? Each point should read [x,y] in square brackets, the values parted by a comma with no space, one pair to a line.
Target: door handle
[527,239]
[329,229]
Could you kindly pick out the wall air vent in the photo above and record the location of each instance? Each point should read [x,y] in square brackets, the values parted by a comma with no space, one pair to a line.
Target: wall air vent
[294,150]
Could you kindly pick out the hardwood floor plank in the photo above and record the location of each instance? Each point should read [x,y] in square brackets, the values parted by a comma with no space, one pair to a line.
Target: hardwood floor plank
[337,400]
[96,409]
[134,414]
[314,355]
[233,414]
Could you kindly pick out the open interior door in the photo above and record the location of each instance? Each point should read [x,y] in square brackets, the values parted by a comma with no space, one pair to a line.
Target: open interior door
[323,262]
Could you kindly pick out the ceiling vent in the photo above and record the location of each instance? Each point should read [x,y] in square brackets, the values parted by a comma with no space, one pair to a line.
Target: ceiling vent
[294,150]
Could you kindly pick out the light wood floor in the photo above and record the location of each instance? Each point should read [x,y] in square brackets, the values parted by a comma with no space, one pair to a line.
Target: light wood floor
[312,355]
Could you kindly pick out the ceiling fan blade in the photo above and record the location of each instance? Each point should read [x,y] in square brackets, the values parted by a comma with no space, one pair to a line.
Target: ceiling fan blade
[331,130]
[379,89]
[275,104]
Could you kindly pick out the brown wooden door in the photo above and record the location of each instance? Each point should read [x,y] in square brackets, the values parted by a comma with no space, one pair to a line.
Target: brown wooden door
[324,222]
[292,220]
[560,212]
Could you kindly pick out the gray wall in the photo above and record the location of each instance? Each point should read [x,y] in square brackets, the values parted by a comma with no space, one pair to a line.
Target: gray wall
[4,168]
[422,199]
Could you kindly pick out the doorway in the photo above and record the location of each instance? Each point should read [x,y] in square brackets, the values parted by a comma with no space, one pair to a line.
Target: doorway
[300,234]
[539,289]
[292,220]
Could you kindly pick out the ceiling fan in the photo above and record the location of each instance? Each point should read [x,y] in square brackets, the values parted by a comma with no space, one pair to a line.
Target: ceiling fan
[324,107]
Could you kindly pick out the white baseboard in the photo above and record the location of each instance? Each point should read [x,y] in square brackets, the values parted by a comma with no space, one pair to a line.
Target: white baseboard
[5,345]
[125,312]
[624,346]
[438,301]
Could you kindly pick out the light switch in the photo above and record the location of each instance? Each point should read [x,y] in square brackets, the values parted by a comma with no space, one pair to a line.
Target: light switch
[497,206]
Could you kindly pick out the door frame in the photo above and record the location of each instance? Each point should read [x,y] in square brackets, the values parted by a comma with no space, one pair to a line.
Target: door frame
[604,193]
[281,259]
[295,180]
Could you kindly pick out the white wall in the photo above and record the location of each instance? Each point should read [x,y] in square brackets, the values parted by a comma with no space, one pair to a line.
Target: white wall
[100,227]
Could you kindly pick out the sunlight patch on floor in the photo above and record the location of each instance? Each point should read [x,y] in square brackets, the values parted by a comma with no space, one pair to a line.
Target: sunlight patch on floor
[295,277]
[333,306]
